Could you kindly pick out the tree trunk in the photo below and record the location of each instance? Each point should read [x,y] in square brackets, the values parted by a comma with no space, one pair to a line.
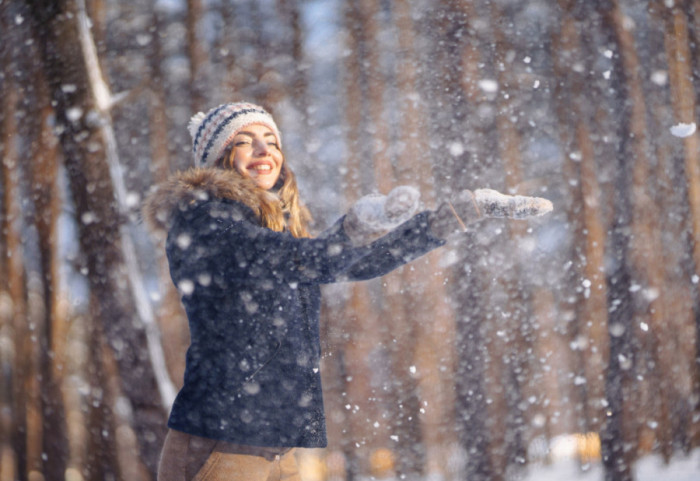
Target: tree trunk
[196,55]
[171,316]
[17,433]
[98,218]
[590,326]
[684,101]
[42,175]
[448,85]
[617,451]
[358,345]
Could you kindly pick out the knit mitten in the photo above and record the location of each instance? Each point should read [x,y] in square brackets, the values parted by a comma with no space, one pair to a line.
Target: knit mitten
[374,215]
[468,207]
[494,204]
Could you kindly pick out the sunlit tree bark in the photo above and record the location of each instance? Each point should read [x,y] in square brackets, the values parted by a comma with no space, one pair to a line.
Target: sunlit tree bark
[298,82]
[196,55]
[230,41]
[21,444]
[684,99]
[590,325]
[51,328]
[516,320]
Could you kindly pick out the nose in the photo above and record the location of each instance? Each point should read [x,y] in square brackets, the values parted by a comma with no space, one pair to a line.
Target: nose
[260,147]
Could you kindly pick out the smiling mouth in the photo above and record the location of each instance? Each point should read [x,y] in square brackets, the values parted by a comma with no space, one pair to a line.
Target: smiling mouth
[261,168]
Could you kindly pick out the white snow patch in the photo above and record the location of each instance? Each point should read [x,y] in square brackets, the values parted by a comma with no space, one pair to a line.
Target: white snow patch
[659,77]
[683,130]
[649,468]
[74,114]
[456,149]
[488,85]
[186,287]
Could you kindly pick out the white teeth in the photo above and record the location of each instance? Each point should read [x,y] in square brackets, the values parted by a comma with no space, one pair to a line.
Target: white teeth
[262,167]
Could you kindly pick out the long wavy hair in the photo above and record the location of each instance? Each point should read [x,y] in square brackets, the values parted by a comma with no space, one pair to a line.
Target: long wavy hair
[292,215]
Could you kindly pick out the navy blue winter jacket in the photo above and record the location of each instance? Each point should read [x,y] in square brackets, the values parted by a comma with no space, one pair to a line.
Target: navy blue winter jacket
[252,298]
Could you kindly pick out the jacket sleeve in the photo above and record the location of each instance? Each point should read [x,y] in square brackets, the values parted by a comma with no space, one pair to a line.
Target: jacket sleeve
[224,237]
[407,242]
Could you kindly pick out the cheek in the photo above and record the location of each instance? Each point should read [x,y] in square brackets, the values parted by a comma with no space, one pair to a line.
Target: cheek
[239,165]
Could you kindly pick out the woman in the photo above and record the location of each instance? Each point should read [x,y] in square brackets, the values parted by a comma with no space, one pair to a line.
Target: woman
[250,275]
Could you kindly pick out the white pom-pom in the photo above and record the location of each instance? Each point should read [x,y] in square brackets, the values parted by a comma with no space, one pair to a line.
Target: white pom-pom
[195,122]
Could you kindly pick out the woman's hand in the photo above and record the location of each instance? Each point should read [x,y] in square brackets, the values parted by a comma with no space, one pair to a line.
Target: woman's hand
[374,215]
[467,207]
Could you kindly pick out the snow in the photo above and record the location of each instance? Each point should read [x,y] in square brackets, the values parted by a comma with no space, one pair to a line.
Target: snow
[649,468]
[488,85]
[683,130]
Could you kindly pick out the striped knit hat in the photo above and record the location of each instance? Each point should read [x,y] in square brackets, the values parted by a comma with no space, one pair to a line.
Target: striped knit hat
[213,132]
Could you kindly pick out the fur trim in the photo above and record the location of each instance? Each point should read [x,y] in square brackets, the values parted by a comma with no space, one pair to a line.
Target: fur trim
[199,185]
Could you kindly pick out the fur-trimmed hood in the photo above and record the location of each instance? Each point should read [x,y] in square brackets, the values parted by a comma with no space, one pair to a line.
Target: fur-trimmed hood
[186,188]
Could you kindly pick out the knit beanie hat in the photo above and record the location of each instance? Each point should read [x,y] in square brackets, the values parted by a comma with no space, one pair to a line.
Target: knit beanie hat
[213,132]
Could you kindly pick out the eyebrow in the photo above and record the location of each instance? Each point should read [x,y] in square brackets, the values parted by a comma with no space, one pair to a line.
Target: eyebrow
[251,134]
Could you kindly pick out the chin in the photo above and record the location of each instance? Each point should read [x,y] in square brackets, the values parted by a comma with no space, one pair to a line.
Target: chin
[265,185]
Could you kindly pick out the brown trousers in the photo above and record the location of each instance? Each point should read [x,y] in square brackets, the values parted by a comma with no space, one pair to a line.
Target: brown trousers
[191,458]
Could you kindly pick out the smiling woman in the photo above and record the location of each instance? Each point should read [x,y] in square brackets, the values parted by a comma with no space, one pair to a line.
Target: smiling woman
[256,154]
[249,277]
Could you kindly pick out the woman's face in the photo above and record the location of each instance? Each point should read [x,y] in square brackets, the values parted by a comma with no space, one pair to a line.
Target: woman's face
[256,154]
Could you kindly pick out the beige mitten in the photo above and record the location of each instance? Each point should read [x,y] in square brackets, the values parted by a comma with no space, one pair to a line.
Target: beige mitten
[467,207]
[494,204]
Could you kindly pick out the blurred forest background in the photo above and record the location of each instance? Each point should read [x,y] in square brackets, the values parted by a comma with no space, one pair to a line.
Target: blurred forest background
[473,362]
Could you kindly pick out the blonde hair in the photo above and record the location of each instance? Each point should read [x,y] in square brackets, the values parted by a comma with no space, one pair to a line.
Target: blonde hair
[290,214]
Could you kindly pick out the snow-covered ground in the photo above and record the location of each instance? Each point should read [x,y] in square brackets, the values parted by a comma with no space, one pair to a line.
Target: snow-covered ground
[650,468]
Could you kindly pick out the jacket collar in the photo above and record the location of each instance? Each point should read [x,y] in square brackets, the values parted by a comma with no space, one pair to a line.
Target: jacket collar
[196,185]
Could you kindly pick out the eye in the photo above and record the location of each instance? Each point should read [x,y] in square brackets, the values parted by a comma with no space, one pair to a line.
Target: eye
[242,142]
